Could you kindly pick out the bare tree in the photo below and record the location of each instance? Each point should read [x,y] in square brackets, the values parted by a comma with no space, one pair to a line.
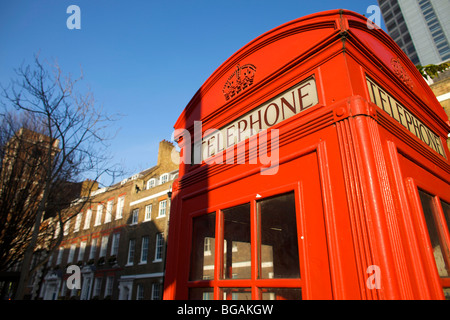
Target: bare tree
[52,137]
[18,190]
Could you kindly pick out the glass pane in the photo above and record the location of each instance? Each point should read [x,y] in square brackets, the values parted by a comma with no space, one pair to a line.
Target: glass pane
[236,243]
[279,246]
[430,212]
[447,293]
[201,294]
[237,294]
[202,255]
[446,209]
[281,294]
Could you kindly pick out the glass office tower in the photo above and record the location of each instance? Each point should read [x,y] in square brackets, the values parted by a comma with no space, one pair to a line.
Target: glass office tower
[420,27]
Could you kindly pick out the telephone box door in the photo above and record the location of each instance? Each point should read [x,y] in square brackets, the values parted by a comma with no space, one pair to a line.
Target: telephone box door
[271,237]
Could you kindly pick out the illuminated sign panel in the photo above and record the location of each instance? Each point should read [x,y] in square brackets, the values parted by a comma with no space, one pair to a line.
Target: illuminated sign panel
[289,103]
[402,115]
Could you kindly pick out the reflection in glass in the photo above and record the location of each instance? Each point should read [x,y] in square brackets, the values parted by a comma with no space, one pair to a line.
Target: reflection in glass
[237,294]
[202,255]
[201,294]
[447,293]
[281,294]
[446,209]
[279,246]
[236,242]
[431,216]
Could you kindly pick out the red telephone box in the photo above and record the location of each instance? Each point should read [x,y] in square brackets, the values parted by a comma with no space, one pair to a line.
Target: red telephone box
[314,165]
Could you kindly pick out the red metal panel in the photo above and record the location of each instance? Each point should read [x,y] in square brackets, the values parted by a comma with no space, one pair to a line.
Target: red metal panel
[347,155]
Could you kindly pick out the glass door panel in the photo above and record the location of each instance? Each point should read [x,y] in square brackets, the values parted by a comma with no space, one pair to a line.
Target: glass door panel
[281,294]
[269,244]
[438,244]
[278,251]
[236,242]
[201,294]
[237,294]
[203,244]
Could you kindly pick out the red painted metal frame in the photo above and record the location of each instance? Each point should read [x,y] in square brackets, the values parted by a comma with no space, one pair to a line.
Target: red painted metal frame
[369,165]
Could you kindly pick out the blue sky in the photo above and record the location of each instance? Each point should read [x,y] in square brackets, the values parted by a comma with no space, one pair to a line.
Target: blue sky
[143,59]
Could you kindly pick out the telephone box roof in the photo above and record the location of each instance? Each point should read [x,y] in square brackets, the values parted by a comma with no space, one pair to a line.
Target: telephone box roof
[318,36]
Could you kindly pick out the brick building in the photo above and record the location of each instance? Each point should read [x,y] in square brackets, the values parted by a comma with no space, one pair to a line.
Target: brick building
[25,160]
[118,239]
[441,88]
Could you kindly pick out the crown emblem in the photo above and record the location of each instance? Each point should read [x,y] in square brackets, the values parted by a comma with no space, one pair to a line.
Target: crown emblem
[401,73]
[240,80]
